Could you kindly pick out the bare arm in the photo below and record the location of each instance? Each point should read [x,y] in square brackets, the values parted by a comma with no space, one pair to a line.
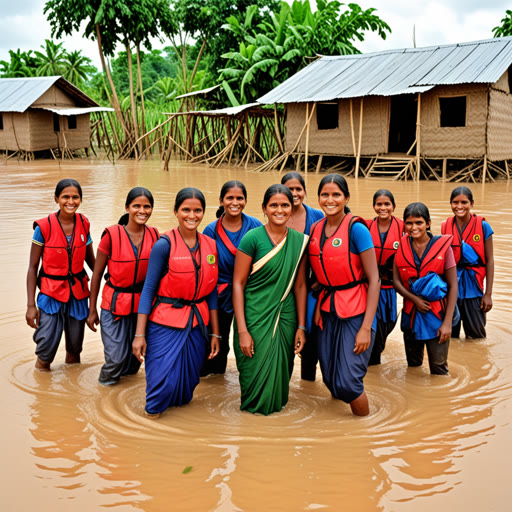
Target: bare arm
[215,342]
[445,331]
[243,264]
[139,341]
[89,257]
[486,303]
[99,268]
[32,314]
[371,271]
[300,292]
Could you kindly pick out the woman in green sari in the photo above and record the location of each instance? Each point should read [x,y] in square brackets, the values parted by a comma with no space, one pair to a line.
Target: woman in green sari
[269,299]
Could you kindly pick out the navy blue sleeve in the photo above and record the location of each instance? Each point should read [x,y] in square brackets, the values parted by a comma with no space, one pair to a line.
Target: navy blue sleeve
[210,230]
[157,264]
[213,299]
[360,238]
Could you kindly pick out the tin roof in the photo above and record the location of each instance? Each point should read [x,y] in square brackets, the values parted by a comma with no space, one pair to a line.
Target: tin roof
[393,72]
[18,94]
[228,111]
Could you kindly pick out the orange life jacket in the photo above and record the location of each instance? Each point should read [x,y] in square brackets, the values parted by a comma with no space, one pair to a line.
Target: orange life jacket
[433,261]
[338,270]
[187,283]
[62,270]
[385,252]
[126,271]
[473,234]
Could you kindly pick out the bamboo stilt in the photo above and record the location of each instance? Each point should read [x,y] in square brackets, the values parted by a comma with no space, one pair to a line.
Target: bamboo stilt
[418,138]
[319,164]
[445,161]
[358,158]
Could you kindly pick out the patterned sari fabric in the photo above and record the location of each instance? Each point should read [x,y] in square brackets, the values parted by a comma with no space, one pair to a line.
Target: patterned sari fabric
[271,320]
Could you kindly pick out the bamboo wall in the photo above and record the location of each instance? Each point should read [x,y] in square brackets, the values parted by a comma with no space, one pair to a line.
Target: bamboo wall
[376,111]
[15,135]
[54,97]
[454,142]
[499,132]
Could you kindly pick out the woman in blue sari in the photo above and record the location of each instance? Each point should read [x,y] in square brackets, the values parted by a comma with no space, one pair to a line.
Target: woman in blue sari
[177,303]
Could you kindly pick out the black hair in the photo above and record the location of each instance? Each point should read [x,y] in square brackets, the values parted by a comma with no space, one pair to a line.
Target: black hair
[189,193]
[294,176]
[67,182]
[225,189]
[339,180]
[384,192]
[417,210]
[132,195]
[462,191]
[276,189]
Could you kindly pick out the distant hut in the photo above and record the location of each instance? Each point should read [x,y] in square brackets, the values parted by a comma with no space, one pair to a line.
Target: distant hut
[407,111]
[44,113]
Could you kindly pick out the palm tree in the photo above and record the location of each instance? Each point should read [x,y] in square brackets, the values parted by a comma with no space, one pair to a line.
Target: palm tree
[53,61]
[77,67]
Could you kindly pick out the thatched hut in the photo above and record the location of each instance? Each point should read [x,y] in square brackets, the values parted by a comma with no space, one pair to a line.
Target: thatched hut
[44,113]
[405,108]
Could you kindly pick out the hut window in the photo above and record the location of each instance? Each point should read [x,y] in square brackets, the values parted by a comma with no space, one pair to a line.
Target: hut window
[72,122]
[1,121]
[327,116]
[510,79]
[453,111]
[56,123]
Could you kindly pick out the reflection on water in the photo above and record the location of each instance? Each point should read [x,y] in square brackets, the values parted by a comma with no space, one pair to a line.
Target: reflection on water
[428,442]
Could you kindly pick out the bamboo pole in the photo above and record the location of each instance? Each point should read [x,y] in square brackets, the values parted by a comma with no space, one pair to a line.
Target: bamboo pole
[306,157]
[352,127]
[319,164]
[358,158]
[276,127]
[506,169]
[418,137]
[445,161]
[484,172]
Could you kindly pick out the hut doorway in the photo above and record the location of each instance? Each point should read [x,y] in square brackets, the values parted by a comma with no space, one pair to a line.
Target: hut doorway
[402,123]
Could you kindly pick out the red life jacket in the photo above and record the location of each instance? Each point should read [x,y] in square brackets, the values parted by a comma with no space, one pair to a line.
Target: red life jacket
[338,270]
[433,261]
[187,283]
[385,253]
[473,234]
[126,272]
[62,270]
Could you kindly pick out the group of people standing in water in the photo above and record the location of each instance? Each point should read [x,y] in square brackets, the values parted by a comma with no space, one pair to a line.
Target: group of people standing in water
[319,283]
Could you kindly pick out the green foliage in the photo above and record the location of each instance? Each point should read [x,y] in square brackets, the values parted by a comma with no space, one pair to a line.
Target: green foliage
[505,29]
[272,50]
[21,64]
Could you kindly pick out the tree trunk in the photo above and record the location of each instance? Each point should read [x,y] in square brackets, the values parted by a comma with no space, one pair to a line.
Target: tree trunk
[133,105]
[199,55]
[139,73]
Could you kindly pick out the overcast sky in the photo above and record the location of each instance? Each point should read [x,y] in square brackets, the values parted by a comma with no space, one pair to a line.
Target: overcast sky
[23,24]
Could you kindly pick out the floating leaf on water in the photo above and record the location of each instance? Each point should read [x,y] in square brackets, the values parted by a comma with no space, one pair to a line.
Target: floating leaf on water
[188,469]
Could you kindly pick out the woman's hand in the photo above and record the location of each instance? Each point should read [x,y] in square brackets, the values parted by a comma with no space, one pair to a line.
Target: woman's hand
[486,302]
[363,340]
[139,347]
[422,305]
[32,317]
[300,340]
[93,319]
[215,346]
[246,343]
[444,332]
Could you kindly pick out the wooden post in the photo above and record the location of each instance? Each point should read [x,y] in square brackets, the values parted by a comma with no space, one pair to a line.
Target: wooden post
[418,138]
[506,169]
[319,164]
[352,128]
[308,120]
[358,158]
[484,171]
[445,161]
[276,128]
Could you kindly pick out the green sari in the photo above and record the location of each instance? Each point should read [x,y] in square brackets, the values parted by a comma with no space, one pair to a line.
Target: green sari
[271,320]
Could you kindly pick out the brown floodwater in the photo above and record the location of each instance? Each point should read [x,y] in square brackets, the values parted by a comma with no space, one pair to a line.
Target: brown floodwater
[429,442]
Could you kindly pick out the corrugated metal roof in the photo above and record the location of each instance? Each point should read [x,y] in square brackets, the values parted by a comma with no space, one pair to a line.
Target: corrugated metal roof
[389,73]
[228,111]
[196,93]
[76,111]
[18,94]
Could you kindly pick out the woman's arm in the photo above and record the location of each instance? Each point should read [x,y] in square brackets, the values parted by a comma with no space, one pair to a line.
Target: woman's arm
[89,257]
[422,305]
[214,325]
[32,314]
[445,331]
[486,303]
[139,340]
[371,271]
[243,264]
[300,292]
[99,268]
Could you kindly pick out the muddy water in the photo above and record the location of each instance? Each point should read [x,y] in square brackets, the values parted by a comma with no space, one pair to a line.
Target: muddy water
[429,442]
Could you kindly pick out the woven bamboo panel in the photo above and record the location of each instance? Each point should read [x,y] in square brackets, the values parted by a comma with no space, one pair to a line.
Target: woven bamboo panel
[54,97]
[499,132]
[15,134]
[455,142]
[502,83]
[339,141]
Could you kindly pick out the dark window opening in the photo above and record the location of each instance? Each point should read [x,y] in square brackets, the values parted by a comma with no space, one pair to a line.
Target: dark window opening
[72,122]
[327,116]
[56,123]
[1,121]
[510,80]
[453,111]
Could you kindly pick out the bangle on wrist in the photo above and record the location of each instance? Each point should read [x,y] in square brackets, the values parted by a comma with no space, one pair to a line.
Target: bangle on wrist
[216,336]
[301,327]
[139,335]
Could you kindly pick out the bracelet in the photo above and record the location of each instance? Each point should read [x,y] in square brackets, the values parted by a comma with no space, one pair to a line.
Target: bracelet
[301,327]
[139,335]
[216,336]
